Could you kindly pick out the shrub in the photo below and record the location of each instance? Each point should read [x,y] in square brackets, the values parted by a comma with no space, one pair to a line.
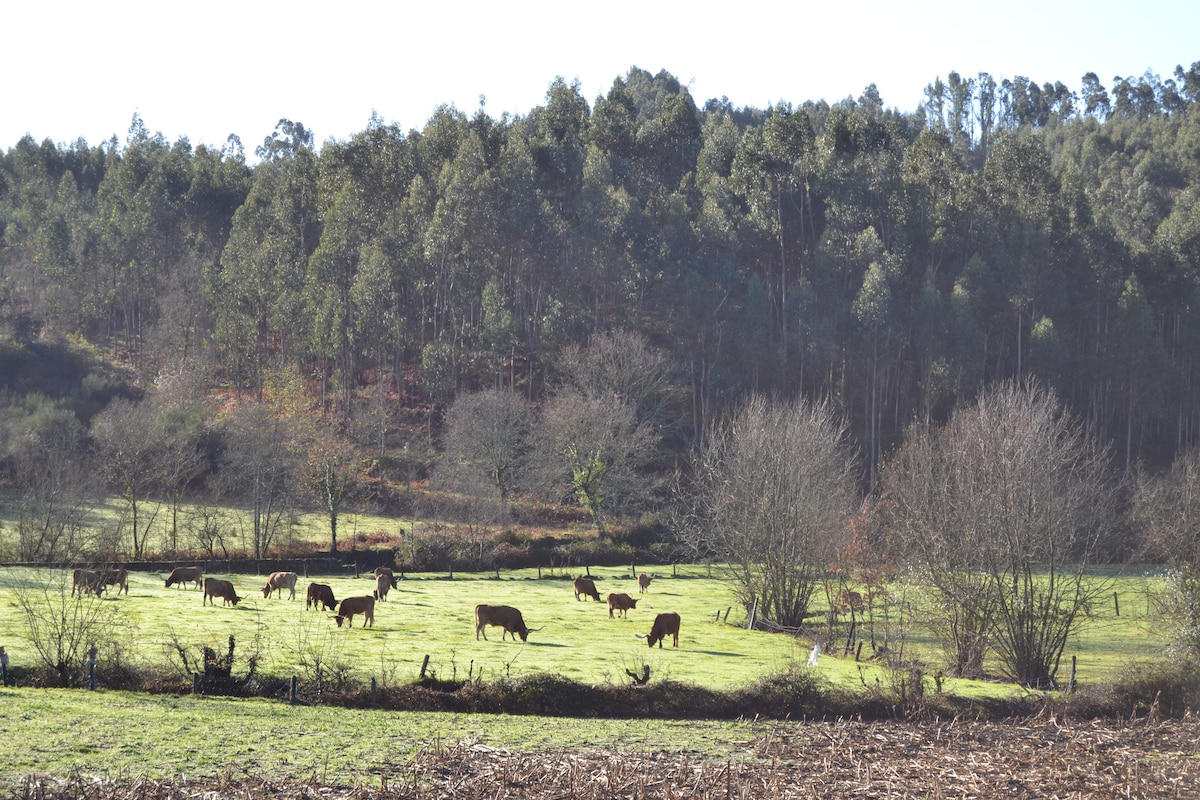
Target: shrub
[1168,688]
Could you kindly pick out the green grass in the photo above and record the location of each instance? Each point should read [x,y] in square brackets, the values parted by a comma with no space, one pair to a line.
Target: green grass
[125,735]
[433,616]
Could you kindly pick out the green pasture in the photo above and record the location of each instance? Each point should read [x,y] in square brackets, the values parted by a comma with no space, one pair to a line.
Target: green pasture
[431,615]
[236,524]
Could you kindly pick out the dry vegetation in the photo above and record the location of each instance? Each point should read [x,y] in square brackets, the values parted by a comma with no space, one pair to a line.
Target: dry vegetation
[1035,758]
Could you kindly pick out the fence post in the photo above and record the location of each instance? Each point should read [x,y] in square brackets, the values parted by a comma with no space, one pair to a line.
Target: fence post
[92,667]
[295,687]
[373,704]
[1116,604]
[424,666]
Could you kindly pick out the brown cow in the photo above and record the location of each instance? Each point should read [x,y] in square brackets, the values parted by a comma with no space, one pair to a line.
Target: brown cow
[119,577]
[356,605]
[505,617]
[849,601]
[643,583]
[217,587]
[664,625]
[390,575]
[383,584]
[586,586]
[182,575]
[278,581]
[621,602]
[87,580]
[320,597]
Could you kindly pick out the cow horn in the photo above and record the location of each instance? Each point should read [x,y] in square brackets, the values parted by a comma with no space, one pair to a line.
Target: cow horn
[640,635]
[533,630]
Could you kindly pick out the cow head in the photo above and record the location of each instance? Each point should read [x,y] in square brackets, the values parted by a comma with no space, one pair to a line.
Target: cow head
[339,619]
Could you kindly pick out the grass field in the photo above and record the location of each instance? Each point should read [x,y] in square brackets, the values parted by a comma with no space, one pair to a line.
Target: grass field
[125,734]
[433,616]
[201,741]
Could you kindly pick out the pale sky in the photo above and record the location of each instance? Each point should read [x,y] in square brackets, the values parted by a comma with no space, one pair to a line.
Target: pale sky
[207,70]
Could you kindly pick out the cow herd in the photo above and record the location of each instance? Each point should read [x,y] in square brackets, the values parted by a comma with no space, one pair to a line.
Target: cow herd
[664,624]
[320,597]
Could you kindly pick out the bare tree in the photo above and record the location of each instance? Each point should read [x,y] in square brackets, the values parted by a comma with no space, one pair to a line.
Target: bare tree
[486,445]
[591,450]
[43,448]
[920,507]
[624,364]
[1006,509]
[130,448]
[258,466]
[774,490]
[332,468]
[64,625]
[182,413]
[1165,510]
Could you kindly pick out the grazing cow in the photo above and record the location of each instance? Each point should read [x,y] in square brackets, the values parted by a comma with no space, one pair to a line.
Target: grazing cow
[390,575]
[182,575]
[621,602]
[79,578]
[505,617]
[664,625]
[849,601]
[116,576]
[87,580]
[586,586]
[383,584]
[320,597]
[217,587]
[643,583]
[278,581]
[356,605]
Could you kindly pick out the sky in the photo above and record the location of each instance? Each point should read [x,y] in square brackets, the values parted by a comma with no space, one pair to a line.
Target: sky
[209,69]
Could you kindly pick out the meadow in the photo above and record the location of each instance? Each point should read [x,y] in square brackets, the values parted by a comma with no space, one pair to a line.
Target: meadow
[143,745]
[428,624]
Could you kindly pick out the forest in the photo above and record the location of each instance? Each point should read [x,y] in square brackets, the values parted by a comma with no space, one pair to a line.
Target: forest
[889,265]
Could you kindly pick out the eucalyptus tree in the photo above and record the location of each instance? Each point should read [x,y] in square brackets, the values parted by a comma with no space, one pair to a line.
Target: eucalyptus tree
[1140,364]
[879,327]
[329,298]
[1095,97]
[772,172]
[140,227]
[257,287]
